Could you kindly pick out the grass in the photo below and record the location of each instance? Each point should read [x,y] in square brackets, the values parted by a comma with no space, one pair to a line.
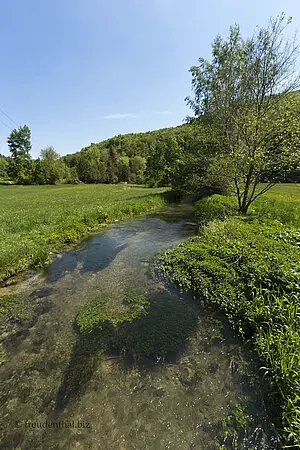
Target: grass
[35,220]
[281,203]
[249,267]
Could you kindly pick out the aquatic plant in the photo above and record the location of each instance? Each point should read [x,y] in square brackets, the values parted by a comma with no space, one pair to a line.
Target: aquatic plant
[97,312]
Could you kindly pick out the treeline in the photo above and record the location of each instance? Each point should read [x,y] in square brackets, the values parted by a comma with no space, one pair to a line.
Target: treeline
[154,158]
[187,157]
[140,158]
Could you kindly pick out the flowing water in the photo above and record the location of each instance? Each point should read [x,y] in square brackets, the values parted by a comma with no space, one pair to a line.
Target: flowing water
[203,391]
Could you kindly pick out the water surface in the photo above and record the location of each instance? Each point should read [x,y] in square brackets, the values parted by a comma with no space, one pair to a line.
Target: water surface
[202,390]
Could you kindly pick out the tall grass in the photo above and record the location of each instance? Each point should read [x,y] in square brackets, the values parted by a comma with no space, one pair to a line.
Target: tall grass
[37,219]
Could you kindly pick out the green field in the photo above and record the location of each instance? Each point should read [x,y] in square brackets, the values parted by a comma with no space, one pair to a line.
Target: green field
[37,219]
[281,203]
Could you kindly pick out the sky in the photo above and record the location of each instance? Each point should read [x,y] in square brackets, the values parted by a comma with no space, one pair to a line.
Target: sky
[80,71]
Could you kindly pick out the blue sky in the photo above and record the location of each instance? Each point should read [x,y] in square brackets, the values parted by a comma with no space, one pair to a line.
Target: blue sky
[79,71]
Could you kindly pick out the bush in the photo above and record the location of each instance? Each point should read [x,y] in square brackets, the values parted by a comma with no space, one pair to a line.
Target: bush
[215,207]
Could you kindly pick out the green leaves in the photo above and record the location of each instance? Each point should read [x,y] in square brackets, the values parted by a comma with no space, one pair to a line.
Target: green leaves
[20,146]
[215,207]
[243,92]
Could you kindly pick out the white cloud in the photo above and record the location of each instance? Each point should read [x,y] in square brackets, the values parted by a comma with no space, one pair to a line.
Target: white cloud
[119,116]
[163,113]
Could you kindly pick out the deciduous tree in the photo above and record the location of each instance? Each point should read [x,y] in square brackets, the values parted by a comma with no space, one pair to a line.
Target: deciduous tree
[20,145]
[244,93]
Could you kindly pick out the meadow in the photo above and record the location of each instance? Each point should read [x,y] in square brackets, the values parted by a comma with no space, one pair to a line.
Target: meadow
[246,266]
[35,220]
[249,268]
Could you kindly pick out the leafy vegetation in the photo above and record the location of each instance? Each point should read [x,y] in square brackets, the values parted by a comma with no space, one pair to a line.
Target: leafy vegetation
[244,94]
[14,307]
[19,142]
[2,355]
[38,219]
[142,327]
[215,207]
[97,312]
[50,169]
[249,268]
[155,157]
[189,158]
[97,326]
[16,310]
[3,167]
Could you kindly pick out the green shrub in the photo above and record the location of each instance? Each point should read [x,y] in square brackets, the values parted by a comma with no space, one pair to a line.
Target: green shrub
[215,207]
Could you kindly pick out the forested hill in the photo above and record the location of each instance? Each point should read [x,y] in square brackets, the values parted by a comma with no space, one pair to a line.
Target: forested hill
[186,157]
[191,158]
[135,157]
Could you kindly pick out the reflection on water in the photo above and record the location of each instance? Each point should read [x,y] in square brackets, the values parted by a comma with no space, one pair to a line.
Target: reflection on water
[62,390]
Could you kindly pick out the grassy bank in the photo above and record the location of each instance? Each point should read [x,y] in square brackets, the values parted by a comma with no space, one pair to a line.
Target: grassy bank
[249,267]
[35,220]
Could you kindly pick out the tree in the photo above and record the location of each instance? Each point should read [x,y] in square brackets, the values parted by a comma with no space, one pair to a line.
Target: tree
[71,175]
[3,166]
[137,166]
[20,146]
[124,169]
[112,166]
[244,94]
[92,164]
[49,169]
[38,172]
[161,164]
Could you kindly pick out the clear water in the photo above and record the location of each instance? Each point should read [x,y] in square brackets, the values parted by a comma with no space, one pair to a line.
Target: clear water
[188,400]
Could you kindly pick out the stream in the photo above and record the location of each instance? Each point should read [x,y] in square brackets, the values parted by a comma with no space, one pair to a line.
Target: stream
[204,395]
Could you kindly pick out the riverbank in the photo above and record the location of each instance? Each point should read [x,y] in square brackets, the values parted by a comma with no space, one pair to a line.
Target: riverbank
[248,267]
[37,220]
[176,376]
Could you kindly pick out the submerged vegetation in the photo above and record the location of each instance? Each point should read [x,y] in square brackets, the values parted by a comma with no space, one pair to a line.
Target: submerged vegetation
[97,313]
[142,326]
[249,268]
[14,308]
[145,327]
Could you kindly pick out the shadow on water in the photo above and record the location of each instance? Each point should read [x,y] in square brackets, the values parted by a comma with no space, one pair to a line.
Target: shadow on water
[174,213]
[160,335]
[97,252]
[92,258]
